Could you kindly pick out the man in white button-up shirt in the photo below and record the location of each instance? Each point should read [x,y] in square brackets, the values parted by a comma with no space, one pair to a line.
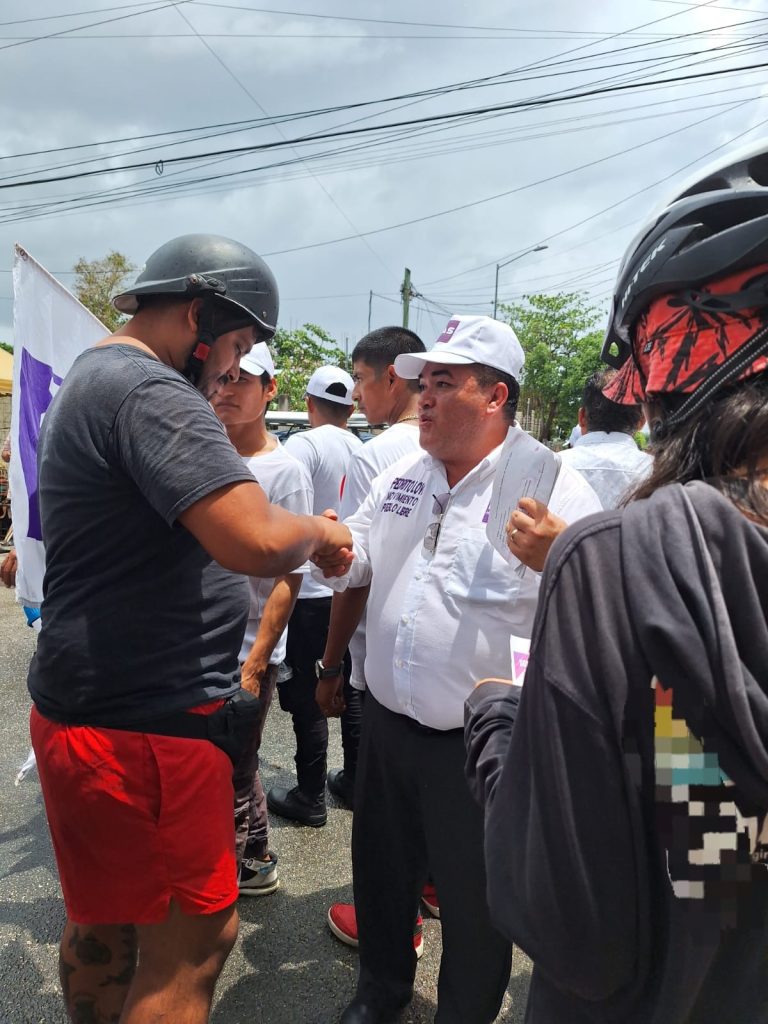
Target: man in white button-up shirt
[442,609]
[605,453]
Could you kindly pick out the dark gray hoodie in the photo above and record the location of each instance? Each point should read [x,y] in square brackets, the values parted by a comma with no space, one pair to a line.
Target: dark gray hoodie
[625,809]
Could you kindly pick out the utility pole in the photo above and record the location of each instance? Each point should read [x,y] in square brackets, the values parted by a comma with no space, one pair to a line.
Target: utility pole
[405,291]
[505,263]
[370,304]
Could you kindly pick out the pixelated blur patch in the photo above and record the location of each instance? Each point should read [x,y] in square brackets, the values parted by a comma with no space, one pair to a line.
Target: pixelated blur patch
[713,843]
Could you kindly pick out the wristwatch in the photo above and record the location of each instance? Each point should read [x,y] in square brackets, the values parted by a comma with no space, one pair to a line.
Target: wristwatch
[327,673]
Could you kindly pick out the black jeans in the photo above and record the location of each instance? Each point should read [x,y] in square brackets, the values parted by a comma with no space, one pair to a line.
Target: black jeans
[414,816]
[307,634]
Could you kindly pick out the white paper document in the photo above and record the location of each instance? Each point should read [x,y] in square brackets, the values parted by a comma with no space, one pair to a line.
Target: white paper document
[526,469]
[520,649]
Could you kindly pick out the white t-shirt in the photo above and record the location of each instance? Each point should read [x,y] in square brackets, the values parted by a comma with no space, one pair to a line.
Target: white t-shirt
[442,619]
[286,483]
[365,465]
[324,452]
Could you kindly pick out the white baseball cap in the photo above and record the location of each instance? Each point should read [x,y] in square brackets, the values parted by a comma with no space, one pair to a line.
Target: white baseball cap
[258,360]
[331,377]
[466,340]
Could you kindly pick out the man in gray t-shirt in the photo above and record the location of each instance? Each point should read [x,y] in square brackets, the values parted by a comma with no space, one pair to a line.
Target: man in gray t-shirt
[148,513]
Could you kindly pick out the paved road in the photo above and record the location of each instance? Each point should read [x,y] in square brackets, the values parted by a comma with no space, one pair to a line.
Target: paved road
[286,967]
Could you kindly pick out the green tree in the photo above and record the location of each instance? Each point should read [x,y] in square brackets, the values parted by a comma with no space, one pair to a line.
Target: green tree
[6,346]
[298,353]
[562,346]
[97,281]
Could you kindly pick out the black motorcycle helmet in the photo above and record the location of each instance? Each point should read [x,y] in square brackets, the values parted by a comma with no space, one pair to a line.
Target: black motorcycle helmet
[716,226]
[237,287]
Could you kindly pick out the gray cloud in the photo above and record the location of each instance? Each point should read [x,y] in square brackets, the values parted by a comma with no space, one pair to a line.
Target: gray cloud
[66,91]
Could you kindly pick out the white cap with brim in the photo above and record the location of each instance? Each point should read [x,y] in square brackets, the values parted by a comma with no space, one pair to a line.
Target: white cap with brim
[258,361]
[327,377]
[467,340]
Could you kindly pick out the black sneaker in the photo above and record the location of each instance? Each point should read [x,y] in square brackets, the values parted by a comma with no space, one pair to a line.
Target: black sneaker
[292,804]
[342,787]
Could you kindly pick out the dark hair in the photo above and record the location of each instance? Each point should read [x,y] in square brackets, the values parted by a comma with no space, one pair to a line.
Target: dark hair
[337,411]
[603,414]
[726,437]
[381,347]
[488,377]
[160,301]
[224,319]
[338,390]
[264,378]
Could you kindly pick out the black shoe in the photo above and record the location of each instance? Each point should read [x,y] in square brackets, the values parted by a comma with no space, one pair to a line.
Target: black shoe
[291,803]
[359,1012]
[342,786]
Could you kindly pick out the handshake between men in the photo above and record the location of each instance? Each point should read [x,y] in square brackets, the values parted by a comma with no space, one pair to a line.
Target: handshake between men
[334,554]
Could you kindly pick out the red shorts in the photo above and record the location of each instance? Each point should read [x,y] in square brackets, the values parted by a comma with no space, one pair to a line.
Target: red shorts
[137,820]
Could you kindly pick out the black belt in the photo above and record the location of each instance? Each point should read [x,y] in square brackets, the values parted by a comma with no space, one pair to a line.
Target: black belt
[427,730]
[229,727]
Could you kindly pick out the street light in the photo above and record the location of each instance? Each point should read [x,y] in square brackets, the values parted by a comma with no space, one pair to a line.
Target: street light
[505,263]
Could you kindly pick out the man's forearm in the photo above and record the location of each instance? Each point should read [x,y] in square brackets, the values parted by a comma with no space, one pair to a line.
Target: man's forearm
[244,533]
[347,610]
[274,619]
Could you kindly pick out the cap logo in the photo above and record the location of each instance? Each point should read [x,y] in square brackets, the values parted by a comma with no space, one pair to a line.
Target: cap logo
[447,334]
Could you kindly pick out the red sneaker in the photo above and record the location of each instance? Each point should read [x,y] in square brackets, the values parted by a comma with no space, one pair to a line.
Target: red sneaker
[430,900]
[342,921]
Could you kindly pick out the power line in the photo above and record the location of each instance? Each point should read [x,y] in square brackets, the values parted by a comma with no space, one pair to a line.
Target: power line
[438,146]
[93,24]
[186,185]
[554,35]
[491,80]
[415,24]
[612,206]
[499,195]
[253,99]
[431,119]
[75,14]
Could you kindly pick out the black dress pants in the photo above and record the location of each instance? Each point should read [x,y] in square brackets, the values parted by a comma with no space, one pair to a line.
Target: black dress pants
[414,815]
[307,634]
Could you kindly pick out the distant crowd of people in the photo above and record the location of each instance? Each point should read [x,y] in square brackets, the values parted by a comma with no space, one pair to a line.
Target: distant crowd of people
[603,807]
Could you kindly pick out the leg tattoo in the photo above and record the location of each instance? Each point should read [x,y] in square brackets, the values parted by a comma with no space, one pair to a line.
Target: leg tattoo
[96,968]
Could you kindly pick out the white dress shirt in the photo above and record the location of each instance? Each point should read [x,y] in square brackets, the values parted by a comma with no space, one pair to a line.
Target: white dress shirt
[440,620]
[610,462]
[364,466]
[373,458]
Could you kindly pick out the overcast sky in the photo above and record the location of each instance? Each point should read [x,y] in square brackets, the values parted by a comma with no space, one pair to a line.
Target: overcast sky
[167,67]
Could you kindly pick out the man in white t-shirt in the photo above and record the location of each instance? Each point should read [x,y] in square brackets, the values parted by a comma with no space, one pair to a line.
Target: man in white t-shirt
[241,406]
[605,452]
[443,609]
[324,450]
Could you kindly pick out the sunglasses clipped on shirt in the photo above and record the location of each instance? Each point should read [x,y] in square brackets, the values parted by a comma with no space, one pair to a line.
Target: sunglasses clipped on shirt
[439,508]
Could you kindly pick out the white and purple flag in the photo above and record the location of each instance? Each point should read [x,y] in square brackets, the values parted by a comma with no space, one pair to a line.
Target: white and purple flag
[50,329]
